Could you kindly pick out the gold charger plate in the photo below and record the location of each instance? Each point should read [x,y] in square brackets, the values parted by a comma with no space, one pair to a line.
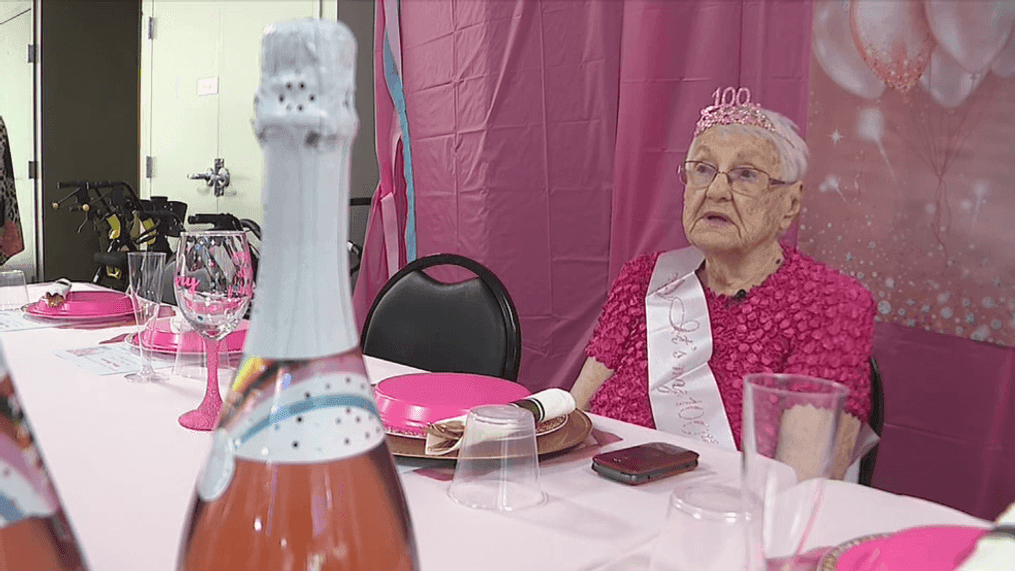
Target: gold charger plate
[831,559]
[574,432]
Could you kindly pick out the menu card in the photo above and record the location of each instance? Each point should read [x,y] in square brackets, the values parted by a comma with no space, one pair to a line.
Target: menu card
[109,359]
[17,320]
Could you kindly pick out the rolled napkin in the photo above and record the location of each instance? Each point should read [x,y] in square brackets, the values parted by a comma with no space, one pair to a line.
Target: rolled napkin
[547,406]
[995,551]
[57,293]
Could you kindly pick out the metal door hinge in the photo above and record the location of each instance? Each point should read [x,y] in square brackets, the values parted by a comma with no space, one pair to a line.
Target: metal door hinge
[31,169]
[148,162]
[31,53]
[151,28]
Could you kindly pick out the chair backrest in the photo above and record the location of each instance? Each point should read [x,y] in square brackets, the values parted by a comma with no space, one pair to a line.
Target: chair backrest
[466,327]
[876,419]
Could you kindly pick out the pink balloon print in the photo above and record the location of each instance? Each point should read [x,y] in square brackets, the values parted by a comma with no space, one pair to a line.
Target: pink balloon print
[972,32]
[893,38]
[836,52]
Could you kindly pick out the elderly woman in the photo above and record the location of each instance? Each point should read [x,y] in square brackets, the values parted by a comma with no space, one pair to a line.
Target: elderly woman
[686,326]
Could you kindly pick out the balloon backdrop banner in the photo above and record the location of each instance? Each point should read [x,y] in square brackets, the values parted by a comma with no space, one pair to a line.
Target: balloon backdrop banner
[911,193]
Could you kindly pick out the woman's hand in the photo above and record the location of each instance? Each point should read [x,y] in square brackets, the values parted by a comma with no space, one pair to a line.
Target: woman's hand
[591,377]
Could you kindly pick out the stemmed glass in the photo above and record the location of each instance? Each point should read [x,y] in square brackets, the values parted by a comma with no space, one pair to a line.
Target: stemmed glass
[145,275]
[214,283]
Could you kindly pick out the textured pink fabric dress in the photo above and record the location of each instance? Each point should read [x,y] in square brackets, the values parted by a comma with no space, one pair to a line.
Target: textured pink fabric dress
[805,318]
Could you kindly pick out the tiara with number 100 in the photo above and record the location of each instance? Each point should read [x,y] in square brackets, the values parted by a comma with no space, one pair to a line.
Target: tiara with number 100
[732,106]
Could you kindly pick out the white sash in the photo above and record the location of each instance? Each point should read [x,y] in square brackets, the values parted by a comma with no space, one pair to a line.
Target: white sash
[684,395]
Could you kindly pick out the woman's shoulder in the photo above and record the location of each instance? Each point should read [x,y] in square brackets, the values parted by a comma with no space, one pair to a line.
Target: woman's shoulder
[637,271]
[823,283]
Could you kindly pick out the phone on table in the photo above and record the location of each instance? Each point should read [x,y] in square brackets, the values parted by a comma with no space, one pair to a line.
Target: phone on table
[645,462]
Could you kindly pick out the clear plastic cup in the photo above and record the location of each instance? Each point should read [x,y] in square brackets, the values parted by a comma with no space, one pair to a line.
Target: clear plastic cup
[498,463]
[13,290]
[789,433]
[708,527]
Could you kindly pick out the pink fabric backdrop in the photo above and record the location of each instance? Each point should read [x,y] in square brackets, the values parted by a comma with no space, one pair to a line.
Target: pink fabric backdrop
[546,137]
[545,141]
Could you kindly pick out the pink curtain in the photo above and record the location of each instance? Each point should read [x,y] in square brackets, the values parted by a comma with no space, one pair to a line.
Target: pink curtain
[546,136]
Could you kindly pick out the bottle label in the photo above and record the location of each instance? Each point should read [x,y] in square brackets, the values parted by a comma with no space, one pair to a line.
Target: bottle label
[318,420]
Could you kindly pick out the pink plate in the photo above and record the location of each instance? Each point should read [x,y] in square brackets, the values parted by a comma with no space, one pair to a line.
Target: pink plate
[85,305]
[935,548]
[162,339]
[408,403]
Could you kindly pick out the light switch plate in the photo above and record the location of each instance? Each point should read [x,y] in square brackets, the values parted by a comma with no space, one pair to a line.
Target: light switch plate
[208,86]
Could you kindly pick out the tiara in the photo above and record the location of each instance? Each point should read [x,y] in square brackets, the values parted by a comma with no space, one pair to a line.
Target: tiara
[733,106]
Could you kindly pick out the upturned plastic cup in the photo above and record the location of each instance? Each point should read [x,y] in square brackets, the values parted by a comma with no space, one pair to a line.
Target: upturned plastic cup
[13,290]
[708,527]
[498,463]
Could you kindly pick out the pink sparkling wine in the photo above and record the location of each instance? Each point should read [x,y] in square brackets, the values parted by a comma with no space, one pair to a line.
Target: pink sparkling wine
[34,532]
[299,476]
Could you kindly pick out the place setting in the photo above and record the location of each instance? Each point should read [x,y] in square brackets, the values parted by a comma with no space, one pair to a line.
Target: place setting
[59,306]
[491,431]
[425,414]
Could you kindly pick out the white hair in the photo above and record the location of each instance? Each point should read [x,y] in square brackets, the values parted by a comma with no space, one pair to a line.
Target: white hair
[791,148]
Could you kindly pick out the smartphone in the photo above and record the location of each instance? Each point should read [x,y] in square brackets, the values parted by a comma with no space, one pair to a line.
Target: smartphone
[645,462]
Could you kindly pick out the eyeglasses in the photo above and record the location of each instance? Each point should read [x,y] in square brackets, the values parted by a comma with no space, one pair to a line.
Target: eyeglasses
[746,180]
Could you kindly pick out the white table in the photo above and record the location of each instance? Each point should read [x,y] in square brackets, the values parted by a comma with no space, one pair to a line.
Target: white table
[125,470]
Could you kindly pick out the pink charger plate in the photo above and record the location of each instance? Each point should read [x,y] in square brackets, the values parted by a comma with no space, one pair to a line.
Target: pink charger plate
[162,339]
[933,548]
[408,403]
[81,305]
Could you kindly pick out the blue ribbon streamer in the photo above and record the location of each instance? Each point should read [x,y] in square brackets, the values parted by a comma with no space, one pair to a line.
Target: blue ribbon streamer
[394,83]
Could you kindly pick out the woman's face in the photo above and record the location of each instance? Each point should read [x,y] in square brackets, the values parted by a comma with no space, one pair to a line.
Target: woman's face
[718,219]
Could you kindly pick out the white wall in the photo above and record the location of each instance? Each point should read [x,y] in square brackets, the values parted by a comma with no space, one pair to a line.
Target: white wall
[16,89]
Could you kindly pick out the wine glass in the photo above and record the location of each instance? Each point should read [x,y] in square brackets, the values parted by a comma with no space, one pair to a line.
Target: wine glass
[214,283]
[145,276]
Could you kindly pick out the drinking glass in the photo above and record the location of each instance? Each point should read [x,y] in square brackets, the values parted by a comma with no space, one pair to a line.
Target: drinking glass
[789,431]
[707,529]
[145,276]
[498,466]
[214,283]
[13,291]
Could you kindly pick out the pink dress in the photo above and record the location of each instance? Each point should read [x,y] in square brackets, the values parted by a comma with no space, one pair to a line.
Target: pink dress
[805,318]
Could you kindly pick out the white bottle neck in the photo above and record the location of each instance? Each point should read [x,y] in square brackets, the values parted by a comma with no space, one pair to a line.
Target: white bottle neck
[303,301]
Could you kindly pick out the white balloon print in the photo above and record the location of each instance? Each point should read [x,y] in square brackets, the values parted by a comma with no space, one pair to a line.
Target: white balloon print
[973,32]
[948,83]
[836,53]
[1004,63]
[871,128]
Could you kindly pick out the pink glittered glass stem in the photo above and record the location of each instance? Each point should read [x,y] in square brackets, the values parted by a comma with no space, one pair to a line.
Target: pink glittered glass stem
[206,415]
[212,398]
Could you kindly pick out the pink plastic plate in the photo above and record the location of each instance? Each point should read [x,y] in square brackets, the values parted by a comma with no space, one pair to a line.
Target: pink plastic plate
[934,548]
[408,403]
[85,305]
[162,339]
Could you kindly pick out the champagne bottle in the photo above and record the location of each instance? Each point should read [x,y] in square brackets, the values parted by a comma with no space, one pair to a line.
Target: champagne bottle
[34,532]
[299,475]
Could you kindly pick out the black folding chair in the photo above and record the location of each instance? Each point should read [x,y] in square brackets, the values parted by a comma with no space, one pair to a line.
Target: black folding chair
[877,422]
[466,327]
